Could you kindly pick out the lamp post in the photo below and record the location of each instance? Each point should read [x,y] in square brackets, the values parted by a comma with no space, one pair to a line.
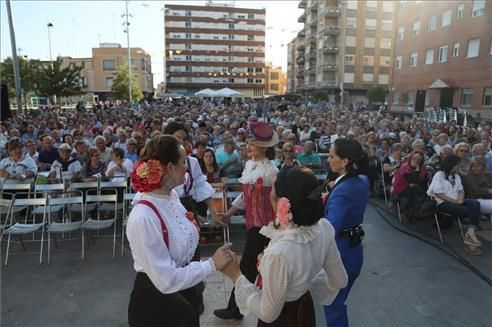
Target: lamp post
[15,61]
[127,31]
[50,26]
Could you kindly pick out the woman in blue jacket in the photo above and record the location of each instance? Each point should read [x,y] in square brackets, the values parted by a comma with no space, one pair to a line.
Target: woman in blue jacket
[345,209]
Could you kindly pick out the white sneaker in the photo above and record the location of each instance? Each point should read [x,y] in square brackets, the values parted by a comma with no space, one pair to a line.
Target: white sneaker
[471,239]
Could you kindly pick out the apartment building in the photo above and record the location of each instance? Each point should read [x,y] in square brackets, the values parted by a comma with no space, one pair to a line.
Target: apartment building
[275,81]
[344,48]
[443,56]
[292,66]
[215,47]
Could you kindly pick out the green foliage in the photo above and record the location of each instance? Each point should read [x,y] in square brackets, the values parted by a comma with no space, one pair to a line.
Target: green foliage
[320,95]
[27,73]
[376,94]
[120,85]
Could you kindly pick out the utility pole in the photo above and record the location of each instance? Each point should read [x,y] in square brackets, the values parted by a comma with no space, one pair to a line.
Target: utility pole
[15,60]
[127,30]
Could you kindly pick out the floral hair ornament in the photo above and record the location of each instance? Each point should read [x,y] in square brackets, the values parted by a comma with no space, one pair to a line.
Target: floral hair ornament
[284,216]
[147,175]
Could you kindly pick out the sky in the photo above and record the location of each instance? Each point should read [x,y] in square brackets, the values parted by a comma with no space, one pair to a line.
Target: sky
[78,26]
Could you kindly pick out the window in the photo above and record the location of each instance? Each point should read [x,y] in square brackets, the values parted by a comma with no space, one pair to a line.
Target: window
[490,50]
[188,24]
[350,41]
[260,70]
[258,81]
[460,12]
[352,4]
[478,8]
[188,46]
[367,77]
[396,97]
[251,37]
[456,49]
[188,69]
[429,56]
[351,22]
[369,42]
[109,64]
[398,62]
[386,25]
[251,16]
[188,35]
[446,18]
[349,59]
[368,60]
[188,58]
[443,54]
[251,59]
[109,82]
[197,36]
[383,79]
[432,23]
[274,86]
[410,96]
[384,61]
[467,97]
[349,78]
[413,59]
[402,6]
[487,96]
[473,48]
[385,43]
[401,32]
[231,26]
[427,97]
[188,13]
[371,5]
[250,80]
[250,69]
[416,28]
[231,36]
[370,24]
[388,6]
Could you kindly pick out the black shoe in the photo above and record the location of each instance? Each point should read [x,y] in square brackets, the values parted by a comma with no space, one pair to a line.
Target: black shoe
[228,314]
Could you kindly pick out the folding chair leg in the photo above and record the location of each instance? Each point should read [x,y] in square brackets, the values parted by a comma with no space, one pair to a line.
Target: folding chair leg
[22,243]
[49,247]
[398,208]
[438,228]
[114,240]
[7,254]
[461,228]
[122,239]
[82,254]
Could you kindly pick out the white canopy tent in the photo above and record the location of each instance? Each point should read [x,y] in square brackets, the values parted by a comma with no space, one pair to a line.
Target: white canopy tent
[227,93]
[205,93]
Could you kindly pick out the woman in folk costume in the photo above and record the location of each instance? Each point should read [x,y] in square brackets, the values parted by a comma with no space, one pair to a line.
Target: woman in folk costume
[256,180]
[302,255]
[163,237]
[345,209]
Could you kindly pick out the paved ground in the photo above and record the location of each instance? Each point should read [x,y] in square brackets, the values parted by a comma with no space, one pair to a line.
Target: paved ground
[404,282]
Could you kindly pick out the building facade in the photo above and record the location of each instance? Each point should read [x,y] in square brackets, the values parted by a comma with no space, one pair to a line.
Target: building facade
[344,48]
[276,80]
[292,66]
[215,47]
[443,56]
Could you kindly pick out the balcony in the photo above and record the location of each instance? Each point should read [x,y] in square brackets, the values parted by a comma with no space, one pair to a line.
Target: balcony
[302,4]
[311,71]
[330,67]
[300,47]
[314,6]
[330,49]
[312,55]
[302,18]
[331,11]
[300,61]
[331,30]
[314,22]
[301,33]
[312,37]
[329,83]
[300,76]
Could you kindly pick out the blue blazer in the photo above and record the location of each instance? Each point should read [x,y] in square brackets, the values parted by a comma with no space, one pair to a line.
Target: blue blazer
[347,203]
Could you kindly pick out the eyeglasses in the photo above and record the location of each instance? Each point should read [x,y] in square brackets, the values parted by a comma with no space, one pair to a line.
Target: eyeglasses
[463,150]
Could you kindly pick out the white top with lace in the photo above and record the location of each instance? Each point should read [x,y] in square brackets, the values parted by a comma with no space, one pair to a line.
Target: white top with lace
[170,269]
[252,171]
[296,260]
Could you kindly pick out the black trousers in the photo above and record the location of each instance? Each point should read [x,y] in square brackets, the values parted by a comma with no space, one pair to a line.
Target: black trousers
[470,208]
[149,307]
[255,244]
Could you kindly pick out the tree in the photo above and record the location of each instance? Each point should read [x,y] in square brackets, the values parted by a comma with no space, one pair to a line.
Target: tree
[120,85]
[55,80]
[28,72]
[377,94]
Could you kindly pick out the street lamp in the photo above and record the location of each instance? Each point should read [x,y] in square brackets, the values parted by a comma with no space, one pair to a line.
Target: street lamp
[49,26]
[127,31]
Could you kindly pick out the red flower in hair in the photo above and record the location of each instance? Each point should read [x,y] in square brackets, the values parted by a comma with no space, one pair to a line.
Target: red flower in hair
[147,175]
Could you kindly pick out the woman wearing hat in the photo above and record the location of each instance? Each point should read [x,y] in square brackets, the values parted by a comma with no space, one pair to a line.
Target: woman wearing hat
[257,180]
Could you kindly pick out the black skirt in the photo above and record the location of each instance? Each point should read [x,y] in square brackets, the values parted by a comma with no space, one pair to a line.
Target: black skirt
[298,313]
[149,307]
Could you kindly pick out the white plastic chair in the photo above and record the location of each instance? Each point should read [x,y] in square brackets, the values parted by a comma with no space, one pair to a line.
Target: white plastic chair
[26,228]
[66,225]
[97,223]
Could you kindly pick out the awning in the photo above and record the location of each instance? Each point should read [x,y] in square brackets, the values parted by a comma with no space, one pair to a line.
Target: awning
[442,84]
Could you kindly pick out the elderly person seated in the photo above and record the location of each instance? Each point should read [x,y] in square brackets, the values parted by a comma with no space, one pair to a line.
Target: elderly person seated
[287,157]
[48,154]
[435,161]
[462,150]
[391,163]
[442,140]
[308,158]
[410,183]
[478,150]
[104,151]
[94,167]
[80,152]
[119,168]
[17,166]
[131,151]
[66,167]
[478,185]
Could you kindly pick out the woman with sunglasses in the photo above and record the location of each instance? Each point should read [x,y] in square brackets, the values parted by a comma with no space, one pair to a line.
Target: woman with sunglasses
[288,157]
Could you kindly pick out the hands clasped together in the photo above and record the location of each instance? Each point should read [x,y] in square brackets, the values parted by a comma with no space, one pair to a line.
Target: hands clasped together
[226,261]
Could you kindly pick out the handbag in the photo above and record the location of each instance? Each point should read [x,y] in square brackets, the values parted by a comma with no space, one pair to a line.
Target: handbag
[426,208]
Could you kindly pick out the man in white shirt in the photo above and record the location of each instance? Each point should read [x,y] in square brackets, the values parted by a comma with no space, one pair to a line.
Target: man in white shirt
[119,168]
[66,167]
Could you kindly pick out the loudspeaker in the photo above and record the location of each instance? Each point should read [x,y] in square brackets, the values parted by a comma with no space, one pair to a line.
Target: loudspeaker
[420,101]
[4,103]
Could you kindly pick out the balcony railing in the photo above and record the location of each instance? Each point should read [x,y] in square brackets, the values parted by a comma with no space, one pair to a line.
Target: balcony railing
[301,33]
[314,6]
[300,61]
[331,30]
[302,18]
[330,49]
[328,83]
[313,22]
[302,4]
[301,47]
[330,67]
[331,11]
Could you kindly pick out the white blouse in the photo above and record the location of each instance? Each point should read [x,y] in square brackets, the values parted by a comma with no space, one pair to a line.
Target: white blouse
[252,171]
[169,269]
[295,260]
[201,189]
[441,185]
